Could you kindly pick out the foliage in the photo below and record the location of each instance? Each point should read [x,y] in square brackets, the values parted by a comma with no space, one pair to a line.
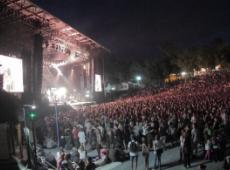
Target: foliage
[172,59]
[202,56]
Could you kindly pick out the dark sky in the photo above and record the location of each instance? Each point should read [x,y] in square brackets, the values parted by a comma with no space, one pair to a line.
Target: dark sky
[131,28]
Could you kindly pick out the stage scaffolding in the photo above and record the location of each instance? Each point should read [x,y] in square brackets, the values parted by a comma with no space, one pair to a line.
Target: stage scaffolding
[43,41]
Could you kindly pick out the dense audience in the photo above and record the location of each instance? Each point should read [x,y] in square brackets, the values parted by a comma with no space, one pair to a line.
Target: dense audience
[193,113]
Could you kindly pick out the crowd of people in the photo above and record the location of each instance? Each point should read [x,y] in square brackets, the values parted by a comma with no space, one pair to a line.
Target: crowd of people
[194,114]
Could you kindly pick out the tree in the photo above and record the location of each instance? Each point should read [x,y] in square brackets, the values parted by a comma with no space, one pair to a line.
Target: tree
[116,70]
[136,68]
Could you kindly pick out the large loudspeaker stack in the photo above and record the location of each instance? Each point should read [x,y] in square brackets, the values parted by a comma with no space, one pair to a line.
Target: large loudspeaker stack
[98,69]
[37,67]
[27,75]
[1,81]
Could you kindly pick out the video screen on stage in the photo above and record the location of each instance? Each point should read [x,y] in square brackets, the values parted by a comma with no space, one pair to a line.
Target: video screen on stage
[98,85]
[12,72]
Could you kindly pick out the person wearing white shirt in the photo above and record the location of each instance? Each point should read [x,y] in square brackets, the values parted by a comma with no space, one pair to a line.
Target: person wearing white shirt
[82,138]
[145,130]
[82,153]
[208,149]
[194,134]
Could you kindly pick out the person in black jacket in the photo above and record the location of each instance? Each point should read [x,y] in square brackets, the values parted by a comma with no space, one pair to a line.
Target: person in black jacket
[187,148]
[90,165]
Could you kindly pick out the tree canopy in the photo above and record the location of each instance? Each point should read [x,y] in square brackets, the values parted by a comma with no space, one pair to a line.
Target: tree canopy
[172,59]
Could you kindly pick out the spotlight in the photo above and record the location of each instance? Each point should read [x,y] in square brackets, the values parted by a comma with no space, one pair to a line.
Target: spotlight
[138,78]
[33,107]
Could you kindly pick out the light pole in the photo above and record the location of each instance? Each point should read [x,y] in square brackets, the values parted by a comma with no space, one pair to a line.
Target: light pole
[138,79]
[35,147]
[57,126]
[184,75]
[30,110]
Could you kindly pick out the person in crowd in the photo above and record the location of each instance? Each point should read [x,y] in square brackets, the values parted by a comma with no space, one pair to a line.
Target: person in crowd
[202,167]
[75,137]
[117,154]
[105,159]
[67,163]
[119,133]
[88,127]
[93,139]
[59,153]
[215,149]
[201,103]
[145,153]
[226,163]
[82,137]
[187,148]
[82,152]
[51,159]
[208,149]
[90,165]
[74,155]
[157,150]
[194,134]
[59,161]
[99,141]
[182,140]
[145,129]
[81,165]
[68,144]
[133,152]
[62,142]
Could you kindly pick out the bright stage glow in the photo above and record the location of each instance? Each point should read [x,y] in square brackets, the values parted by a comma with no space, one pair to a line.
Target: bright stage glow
[61,92]
[56,94]
[12,71]
[98,85]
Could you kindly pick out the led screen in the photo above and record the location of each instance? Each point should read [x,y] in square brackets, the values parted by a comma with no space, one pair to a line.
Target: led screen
[98,85]
[11,69]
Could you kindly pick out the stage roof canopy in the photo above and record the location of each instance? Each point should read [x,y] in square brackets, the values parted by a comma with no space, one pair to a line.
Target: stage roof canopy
[50,25]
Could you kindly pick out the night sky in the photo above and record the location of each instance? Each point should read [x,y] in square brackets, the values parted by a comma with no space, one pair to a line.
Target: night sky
[136,29]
